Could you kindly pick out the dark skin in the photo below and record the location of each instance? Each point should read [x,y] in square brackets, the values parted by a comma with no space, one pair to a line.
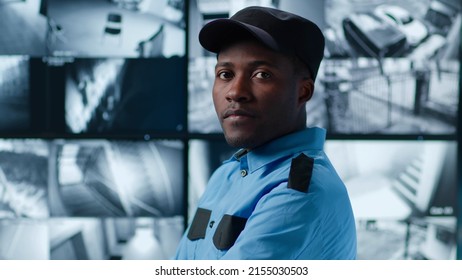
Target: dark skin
[259,95]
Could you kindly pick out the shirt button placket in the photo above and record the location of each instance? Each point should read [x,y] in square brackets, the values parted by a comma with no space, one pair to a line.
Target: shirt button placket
[244,167]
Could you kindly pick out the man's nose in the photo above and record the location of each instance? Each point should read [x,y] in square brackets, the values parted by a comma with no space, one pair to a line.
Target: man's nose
[239,90]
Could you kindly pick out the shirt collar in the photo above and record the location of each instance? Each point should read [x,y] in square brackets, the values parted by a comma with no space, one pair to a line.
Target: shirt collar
[307,139]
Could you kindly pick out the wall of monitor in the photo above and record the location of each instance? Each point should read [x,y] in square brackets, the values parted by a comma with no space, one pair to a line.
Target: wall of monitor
[108,133]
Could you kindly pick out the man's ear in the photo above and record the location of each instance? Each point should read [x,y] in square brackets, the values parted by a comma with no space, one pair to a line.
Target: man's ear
[306,89]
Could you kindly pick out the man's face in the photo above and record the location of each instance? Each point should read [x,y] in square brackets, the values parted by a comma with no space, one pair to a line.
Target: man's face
[257,95]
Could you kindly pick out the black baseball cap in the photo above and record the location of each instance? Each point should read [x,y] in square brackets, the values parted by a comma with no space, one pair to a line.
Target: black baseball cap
[278,30]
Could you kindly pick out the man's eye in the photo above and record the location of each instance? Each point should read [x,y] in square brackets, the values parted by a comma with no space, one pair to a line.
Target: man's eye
[224,75]
[262,75]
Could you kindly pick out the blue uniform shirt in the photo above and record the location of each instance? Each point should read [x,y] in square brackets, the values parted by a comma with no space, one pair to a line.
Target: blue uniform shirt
[283,200]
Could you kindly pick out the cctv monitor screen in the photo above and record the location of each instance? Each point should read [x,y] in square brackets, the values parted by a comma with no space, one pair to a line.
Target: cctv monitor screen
[397,179]
[114,238]
[108,178]
[24,178]
[24,28]
[125,96]
[14,94]
[131,29]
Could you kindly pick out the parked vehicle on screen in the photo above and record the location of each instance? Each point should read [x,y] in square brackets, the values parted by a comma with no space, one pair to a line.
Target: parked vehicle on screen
[371,36]
[414,29]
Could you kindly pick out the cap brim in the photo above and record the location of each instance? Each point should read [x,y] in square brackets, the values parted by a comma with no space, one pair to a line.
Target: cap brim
[214,35]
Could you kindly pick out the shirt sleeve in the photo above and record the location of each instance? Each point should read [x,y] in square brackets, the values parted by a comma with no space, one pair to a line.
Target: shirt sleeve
[182,249]
[284,224]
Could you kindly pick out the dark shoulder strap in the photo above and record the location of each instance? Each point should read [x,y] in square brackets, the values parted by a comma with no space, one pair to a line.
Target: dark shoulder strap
[300,173]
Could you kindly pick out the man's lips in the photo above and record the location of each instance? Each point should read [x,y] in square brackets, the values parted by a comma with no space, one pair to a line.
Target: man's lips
[237,113]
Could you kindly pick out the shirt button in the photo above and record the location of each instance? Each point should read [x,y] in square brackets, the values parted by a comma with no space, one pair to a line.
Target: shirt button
[211,224]
[243,172]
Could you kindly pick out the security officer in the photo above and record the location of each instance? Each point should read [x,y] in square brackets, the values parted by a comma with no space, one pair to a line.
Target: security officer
[278,197]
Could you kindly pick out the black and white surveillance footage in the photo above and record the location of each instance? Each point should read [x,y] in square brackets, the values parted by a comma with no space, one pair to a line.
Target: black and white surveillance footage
[101,28]
[24,179]
[397,179]
[125,96]
[114,238]
[90,238]
[101,178]
[24,239]
[417,239]
[14,94]
[24,28]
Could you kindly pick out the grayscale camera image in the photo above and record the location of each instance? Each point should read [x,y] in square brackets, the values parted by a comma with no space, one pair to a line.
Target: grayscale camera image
[102,178]
[90,238]
[426,238]
[415,95]
[116,28]
[398,96]
[397,179]
[114,238]
[419,30]
[24,27]
[24,239]
[14,93]
[23,178]
[125,96]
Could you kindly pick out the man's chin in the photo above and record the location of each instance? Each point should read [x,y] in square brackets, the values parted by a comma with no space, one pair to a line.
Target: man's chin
[240,141]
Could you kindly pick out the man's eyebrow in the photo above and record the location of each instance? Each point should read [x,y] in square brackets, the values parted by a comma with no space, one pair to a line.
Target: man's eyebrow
[223,64]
